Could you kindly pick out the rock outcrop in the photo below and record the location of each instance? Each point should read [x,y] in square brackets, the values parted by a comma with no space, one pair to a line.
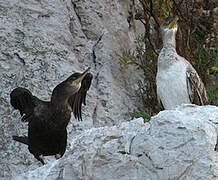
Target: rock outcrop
[175,144]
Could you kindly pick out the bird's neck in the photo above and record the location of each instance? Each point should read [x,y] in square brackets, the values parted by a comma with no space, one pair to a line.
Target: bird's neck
[59,102]
[169,38]
[61,111]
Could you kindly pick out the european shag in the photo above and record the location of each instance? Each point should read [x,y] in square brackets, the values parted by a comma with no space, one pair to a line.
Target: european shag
[47,120]
[177,81]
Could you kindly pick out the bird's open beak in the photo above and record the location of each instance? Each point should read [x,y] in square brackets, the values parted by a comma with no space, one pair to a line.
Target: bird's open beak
[173,24]
[79,80]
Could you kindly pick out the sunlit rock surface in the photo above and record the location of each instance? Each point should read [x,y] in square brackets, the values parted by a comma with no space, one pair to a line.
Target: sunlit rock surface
[175,144]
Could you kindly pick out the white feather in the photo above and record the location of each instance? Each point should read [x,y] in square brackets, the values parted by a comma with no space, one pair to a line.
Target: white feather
[172,85]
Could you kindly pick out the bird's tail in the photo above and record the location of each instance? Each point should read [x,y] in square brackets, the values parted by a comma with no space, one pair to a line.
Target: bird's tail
[21,139]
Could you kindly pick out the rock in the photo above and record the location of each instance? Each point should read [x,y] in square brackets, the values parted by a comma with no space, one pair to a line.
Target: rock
[44,42]
[175,144]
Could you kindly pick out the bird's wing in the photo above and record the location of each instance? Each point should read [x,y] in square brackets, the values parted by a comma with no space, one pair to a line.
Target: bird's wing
[23,100]
[196,89]
[77,99]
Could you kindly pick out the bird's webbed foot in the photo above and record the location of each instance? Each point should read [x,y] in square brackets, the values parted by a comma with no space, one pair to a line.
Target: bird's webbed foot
[37,154]
[40,158]
[58,156]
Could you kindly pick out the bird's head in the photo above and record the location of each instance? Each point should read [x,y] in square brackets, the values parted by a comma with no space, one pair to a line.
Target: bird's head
[169,24]
[168,29]
[75,79]
[70,86]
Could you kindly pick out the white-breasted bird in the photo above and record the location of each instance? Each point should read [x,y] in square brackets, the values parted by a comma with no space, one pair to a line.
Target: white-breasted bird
[177,81]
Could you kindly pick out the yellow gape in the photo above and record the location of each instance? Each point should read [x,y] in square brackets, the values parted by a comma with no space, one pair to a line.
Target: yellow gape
[172,25]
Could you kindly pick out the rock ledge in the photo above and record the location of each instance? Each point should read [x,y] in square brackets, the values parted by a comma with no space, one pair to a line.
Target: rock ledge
[175,144]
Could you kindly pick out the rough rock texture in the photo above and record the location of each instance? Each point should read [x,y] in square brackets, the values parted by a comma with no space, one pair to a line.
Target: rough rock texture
[43,42]
[176,144]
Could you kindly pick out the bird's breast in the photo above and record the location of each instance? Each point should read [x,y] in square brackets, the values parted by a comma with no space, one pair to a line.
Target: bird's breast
[172,85]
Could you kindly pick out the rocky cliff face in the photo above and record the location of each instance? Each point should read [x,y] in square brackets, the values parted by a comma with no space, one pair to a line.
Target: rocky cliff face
[41,44]
[44,42]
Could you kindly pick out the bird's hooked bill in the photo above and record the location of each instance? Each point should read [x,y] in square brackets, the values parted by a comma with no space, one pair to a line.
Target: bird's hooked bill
[79,80]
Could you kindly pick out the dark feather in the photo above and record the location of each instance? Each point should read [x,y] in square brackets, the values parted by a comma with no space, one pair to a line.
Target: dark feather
[22,99]
[21,139]
[47,121]
[77,99]
[196,88]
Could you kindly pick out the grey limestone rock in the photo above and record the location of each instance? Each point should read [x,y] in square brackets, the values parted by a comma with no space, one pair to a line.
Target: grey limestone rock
[42,43]
[175,144]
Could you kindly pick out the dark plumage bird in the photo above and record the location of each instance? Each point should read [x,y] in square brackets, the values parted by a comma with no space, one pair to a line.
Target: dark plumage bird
[47,120]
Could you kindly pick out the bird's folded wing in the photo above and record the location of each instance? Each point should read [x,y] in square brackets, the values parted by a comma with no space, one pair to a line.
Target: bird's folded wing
[196,89]
[77,99]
